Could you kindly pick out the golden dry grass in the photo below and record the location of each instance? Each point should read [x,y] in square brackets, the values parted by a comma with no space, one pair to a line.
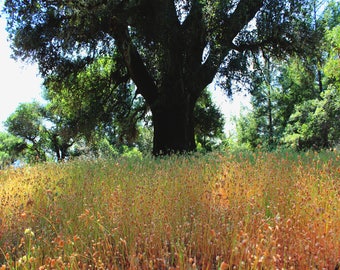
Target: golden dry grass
[220,211]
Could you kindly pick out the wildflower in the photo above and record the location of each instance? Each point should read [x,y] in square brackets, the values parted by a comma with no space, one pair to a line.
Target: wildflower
[224,266]
[76,238]
[29,232]
[22,260]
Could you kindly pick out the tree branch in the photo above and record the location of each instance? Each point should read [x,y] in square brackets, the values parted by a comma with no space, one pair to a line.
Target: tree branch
[133,61]
[249,46]
[243,14]
[154,19]
[229,29]
[195,27]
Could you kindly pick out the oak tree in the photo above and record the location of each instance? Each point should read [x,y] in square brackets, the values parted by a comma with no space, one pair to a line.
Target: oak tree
[170,49]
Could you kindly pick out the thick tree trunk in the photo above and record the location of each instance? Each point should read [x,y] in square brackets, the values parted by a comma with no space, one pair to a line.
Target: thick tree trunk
[173,127]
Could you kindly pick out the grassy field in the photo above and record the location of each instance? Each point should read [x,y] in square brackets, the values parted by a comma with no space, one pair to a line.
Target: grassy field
[219,211]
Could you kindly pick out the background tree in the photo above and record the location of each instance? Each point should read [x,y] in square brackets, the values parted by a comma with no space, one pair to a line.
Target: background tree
[11,148]
[93,98]
[264,101]
[97,105]
[208,122]
[170,49]
[316,122]
[60,136]
[277,88]
[288,98]
[331,67]
[43,133]
[27,123]
[248,130]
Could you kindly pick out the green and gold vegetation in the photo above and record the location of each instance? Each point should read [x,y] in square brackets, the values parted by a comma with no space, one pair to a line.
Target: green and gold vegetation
[219,211]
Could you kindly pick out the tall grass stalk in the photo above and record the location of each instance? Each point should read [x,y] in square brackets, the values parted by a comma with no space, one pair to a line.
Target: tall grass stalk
[219,211]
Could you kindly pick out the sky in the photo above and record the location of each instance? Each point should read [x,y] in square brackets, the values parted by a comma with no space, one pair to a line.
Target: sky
[20,83]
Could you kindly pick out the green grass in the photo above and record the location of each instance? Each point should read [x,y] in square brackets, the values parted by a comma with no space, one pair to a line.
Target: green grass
[271,210]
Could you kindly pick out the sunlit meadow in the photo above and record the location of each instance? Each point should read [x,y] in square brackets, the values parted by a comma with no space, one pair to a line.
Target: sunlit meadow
[219,211]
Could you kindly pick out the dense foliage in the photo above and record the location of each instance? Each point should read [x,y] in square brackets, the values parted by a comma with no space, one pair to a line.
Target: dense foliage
[59,130]
[11,148]
[296,102]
